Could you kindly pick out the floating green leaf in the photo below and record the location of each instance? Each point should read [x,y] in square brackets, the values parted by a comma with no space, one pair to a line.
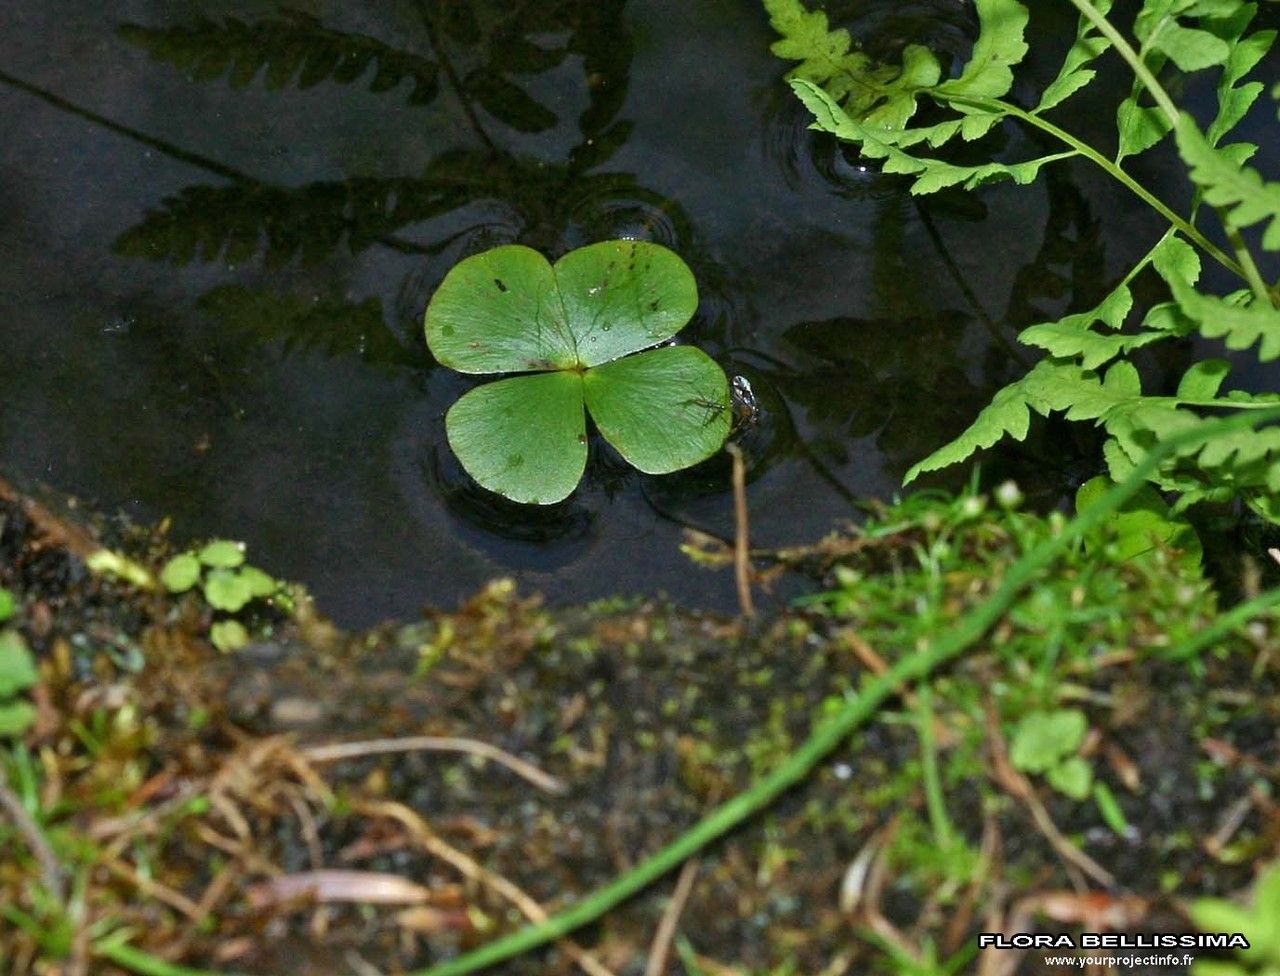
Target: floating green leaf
[579,327]
[524,437]
[7,604]
[681,384]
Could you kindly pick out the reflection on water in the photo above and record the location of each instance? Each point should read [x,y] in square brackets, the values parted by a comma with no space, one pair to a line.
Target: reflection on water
[223,221]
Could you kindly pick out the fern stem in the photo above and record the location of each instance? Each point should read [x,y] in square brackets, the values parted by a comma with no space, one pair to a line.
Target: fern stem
[1246,267]
[1126,51]
[1251,272]
[1084,149]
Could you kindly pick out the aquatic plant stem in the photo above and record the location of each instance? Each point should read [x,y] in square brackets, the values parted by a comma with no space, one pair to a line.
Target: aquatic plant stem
[145,964]
[943,833]
[852,714]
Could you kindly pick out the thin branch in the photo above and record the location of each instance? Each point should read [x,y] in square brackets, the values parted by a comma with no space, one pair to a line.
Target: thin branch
[660,949]
[741,540]
[434,743]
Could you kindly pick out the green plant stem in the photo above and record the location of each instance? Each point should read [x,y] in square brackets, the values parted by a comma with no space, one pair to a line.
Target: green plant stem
[145,964]
[1126,51]
[855,711]
[824,739]
[1236,617]
[943,834]
[1250,267]
[1247,268]
[1118,174]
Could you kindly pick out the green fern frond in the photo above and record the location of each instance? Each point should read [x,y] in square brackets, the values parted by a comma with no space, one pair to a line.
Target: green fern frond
[1075,72]
[885,94]
[930,175]
[1238,190]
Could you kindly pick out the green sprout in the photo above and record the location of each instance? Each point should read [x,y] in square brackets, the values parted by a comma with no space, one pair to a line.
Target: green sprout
[227,583]
[1046,743]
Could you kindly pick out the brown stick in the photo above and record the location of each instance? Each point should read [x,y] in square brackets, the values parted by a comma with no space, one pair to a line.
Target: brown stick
[471,869]
[434,743]
[741,540]
[662,939]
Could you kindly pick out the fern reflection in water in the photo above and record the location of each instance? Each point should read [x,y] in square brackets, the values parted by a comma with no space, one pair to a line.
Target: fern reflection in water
[478,56]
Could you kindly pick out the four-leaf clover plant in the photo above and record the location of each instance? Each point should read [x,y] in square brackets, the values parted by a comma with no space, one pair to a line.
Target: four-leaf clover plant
[576,331]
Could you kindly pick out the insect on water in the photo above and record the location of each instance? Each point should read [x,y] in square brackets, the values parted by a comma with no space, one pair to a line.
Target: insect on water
[746,411]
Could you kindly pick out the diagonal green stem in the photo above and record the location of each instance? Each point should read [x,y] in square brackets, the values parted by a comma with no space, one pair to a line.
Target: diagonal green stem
[1247,269]
[1237,616]
[1126,51]
[1118,174]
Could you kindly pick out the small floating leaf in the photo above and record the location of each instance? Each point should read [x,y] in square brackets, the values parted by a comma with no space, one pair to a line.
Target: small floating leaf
[180,573]
[524,437]
[7,604]
[664,409]
[222,554]
[509,310]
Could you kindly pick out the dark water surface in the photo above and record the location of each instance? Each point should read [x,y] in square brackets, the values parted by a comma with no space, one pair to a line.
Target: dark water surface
[220,224]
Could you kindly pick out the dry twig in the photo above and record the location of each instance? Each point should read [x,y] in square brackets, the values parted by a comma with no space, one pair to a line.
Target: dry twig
[434,743]
[662,939]
[741,539]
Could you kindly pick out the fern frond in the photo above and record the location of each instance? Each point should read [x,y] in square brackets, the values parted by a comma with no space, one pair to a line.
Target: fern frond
[1238,190]
[1007,415]
[1245,52]
[930,175]
[294,48]
[1075,73]
[235,222]
[883,94]
[1240,324]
